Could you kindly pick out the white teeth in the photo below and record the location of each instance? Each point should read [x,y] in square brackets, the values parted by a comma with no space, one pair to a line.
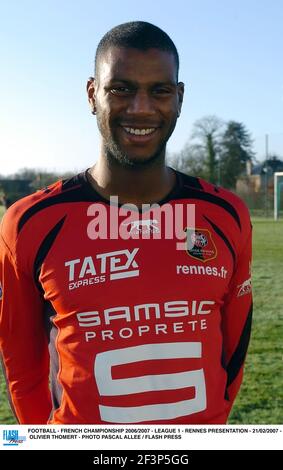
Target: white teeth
[130,130]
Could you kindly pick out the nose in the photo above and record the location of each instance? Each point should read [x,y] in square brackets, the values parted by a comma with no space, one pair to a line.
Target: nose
[141,104]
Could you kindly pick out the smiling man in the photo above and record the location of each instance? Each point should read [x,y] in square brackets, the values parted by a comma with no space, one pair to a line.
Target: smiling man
[137,99]
[127,328]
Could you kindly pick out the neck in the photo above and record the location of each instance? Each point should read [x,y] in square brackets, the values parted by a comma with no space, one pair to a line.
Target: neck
[136,185]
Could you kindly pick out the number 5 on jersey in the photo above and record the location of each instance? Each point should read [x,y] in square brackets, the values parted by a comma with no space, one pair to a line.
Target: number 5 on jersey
[107,386]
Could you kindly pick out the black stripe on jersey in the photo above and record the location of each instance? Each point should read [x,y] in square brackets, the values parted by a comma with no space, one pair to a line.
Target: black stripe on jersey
[44,249]
[73,195]
[239,355]
[188,180]
[223,364]
[224,238]
[52,332]
[71,182]
[204,196]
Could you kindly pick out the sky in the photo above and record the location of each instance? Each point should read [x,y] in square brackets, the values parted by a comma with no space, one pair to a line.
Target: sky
[231,62]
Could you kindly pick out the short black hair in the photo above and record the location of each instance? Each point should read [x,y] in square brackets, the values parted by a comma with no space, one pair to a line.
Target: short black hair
[139,35]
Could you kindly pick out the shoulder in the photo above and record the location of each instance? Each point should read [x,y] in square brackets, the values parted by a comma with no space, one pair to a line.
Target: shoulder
[28,213]
[200,189]
[229,196]
[14,216]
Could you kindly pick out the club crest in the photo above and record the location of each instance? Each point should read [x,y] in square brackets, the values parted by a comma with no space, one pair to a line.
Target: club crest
[200,244]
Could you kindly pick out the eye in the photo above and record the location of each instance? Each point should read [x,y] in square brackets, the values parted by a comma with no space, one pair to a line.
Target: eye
[121,90]
[161,91]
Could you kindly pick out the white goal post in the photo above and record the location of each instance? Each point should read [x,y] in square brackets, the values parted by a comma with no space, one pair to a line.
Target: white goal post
[278,190]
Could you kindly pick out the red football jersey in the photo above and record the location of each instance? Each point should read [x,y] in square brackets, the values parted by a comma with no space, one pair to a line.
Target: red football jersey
[127,329]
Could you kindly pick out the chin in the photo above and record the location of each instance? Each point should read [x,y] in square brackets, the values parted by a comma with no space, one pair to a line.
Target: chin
[139,161]
[117,154]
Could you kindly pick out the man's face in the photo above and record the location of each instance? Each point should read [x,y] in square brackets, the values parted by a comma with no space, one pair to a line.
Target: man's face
[137,101]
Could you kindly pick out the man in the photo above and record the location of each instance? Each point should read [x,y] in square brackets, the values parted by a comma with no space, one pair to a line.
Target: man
[138,330]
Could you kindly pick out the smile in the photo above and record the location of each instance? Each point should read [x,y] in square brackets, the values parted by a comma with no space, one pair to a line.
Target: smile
[131,130]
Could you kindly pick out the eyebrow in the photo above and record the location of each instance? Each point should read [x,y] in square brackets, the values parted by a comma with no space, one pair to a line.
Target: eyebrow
[130,82]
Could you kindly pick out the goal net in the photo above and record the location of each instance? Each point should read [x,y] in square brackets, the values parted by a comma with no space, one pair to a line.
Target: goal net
[278,193]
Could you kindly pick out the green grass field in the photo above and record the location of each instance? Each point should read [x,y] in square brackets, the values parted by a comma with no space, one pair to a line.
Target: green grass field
[261,397]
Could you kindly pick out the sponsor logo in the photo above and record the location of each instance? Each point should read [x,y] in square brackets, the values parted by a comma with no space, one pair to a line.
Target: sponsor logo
[200,244]
[114,265]
[146,226]
[143,319]
[202,270]
[175,308]
[245,288]
[11,437]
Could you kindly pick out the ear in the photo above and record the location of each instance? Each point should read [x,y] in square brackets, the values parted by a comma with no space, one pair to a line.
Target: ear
[90,88]
[180,91]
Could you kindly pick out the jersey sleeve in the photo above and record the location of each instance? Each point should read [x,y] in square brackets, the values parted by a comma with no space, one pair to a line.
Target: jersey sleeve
[236,320]
[23,343]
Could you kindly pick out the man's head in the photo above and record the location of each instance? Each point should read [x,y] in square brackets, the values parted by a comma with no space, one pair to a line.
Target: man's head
[135,93]
[139,35]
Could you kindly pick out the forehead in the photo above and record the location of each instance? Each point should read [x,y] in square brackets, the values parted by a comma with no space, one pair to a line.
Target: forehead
[135,65]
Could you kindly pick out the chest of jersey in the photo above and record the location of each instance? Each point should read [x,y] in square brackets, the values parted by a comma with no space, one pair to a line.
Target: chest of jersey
[144,270]
[137,306]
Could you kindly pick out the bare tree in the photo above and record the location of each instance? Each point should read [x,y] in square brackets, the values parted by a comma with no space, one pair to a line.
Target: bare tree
[207,132]
[190,160]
